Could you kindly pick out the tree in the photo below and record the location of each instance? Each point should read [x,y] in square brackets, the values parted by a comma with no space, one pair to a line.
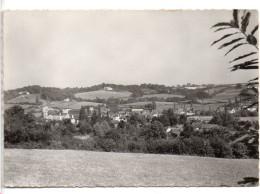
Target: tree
[94,117]
[154,105]
[238,31]
[156,131]
[82,114]
[37,101]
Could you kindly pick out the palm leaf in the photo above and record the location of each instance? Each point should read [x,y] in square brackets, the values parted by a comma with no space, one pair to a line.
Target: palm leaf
[223,37]
[222,29]
[248,67]
[235,17]
[253,79]
[253,104]
[229,43]
[241,57]
[234,47]
[254,30]
[246,64]
[245,22]
[252,84]
[222,24]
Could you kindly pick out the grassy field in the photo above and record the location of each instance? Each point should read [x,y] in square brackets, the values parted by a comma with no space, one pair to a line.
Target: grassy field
[103,94]
[228,94]
[71,105]
[52,168]
[160,106]
[162,96]
[31,98]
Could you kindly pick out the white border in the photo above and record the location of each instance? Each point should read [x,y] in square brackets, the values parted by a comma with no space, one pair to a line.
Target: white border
[129,5]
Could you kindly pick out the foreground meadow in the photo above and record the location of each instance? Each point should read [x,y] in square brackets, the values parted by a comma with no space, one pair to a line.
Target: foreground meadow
[56,168]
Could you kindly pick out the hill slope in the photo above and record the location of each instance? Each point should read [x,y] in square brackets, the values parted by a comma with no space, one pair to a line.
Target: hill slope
[103,94]
[27,168]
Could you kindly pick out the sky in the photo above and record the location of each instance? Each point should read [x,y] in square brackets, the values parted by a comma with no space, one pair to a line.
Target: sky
[85,48]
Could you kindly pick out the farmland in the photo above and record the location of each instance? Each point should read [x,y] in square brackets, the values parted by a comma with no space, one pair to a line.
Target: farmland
[163,96]
[30,98]
[103,94]
[70,105]
[52,168]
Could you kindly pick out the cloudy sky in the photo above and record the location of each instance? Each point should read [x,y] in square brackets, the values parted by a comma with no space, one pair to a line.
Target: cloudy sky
[84,48]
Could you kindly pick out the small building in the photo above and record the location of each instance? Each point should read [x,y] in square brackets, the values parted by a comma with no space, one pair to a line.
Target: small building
[24,93]
[232,111]
[108,88]
[67,100]
[175,130]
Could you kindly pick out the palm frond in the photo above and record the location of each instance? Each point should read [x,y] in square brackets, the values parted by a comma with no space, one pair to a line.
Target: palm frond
[235,17]
[243,56]
[223,37]
[222,24]
[246,68]
[245,22]
[254,30]
[229,43]
[234,47]
[245,65]
[222,29]
[253,79]
[252,84]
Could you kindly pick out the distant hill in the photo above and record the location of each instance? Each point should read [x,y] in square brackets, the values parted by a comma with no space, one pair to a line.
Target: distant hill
[103,94]
[118,91]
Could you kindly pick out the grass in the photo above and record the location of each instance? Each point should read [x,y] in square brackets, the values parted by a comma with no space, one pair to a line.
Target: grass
[103,94]
[30,98]
[227,94]
[162,96]
[54,168]
[71,105]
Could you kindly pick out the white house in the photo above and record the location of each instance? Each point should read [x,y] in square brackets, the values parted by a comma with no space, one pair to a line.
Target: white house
[24,93]
[108,88]
[66,100]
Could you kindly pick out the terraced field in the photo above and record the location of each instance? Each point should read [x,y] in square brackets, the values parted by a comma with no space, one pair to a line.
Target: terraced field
[55,168]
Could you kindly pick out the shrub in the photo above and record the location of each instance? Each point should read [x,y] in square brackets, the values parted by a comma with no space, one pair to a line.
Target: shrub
[134,147]
[221,148]
[240,150]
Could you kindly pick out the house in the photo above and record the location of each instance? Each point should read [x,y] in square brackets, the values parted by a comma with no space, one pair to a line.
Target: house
[24,93]
[137,110]
[108,88]
[56,114]
[232,111]
[66,111]
[252,109]
[175,130]
[66,100]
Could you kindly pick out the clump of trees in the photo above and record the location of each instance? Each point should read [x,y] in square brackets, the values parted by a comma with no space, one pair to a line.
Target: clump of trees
[138,134]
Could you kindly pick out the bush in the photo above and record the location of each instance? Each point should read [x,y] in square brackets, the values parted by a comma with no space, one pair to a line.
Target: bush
[221,148]
[240,150]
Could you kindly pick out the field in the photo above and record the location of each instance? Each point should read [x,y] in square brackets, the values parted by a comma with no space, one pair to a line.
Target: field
[52,168]
[160,106]
[103,94]
[228,94]
[30,98]
[70,105]
[216,89]
[163,96]
[221,98]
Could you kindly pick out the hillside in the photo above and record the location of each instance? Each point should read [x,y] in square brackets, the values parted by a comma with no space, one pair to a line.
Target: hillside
[52,168]
[103,94]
